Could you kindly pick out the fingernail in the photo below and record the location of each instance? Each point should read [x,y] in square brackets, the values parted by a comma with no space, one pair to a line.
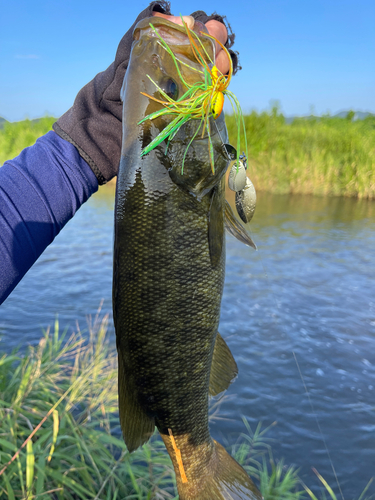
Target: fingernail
[189,21]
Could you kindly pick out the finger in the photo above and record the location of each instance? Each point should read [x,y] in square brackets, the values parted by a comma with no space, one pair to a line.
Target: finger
[215,28]
[189,20]
[219,31]
[222,62]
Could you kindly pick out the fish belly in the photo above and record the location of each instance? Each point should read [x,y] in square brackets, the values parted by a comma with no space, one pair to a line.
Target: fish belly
[167,298]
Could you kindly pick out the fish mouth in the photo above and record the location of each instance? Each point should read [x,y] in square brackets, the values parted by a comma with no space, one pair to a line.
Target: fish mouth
[158,32]
[167,66]
[171,32]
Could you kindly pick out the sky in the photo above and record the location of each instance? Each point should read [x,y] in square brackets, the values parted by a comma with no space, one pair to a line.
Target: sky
[309,55]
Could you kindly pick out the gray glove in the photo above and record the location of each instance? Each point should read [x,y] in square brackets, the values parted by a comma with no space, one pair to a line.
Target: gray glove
[93,124]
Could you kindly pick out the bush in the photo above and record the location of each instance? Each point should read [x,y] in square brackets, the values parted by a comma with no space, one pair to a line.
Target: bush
[321,156]
[14,137]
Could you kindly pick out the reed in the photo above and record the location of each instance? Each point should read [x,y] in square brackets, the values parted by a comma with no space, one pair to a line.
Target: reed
[327,489]
[60,436]
[314,155]
[16,136]
[78,451]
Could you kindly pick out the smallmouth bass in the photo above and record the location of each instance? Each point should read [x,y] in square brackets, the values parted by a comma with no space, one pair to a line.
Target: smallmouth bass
[169,264]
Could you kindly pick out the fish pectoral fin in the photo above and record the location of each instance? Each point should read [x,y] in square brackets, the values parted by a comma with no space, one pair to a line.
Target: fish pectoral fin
[235,228]
[136,426]
[223,368]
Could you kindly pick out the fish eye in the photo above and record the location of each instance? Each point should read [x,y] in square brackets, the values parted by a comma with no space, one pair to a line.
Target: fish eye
[170,87]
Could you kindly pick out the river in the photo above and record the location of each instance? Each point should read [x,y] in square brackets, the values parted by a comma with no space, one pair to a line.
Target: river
[307,296]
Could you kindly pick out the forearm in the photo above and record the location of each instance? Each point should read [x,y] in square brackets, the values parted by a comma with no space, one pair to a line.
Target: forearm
[40,191]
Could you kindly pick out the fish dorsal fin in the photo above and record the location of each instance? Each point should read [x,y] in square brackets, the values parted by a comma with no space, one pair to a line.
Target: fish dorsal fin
[216,227]
[235,228]
[137,427]
[223,368]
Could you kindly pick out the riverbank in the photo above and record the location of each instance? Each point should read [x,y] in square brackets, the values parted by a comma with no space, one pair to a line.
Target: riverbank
[313,155]
[60,436]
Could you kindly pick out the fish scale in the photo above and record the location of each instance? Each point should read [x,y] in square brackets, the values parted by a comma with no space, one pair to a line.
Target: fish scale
[169,265]
[167,309]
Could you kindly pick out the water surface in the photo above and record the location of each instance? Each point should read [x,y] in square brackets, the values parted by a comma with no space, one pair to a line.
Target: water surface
[308,294]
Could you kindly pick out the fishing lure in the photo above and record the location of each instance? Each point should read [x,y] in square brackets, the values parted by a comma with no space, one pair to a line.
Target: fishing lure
[201,100]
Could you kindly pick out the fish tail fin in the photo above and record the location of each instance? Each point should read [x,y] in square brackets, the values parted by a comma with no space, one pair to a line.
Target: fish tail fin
[227,480]
[209,473]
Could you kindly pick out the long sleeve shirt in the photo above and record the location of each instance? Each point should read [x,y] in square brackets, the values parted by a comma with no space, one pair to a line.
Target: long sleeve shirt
[40,191]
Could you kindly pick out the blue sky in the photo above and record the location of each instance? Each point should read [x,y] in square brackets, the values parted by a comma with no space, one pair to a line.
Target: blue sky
[306,54]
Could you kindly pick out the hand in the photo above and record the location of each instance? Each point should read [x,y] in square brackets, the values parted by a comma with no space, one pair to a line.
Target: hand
[94,123]
[215,28]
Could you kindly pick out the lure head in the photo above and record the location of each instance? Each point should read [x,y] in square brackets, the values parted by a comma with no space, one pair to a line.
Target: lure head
[217,104]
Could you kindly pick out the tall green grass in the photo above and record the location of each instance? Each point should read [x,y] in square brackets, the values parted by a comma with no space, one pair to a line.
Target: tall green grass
[315,155]
[321,156]
[74,454]
[16,136]
[59,430]
[60,436]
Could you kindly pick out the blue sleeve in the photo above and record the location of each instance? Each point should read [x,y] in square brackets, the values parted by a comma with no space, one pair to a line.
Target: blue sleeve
[40,191]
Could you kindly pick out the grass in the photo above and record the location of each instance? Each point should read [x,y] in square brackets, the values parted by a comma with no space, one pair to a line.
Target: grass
[60,437]
[320,156]
[14,137]
[329,490]
[76,453]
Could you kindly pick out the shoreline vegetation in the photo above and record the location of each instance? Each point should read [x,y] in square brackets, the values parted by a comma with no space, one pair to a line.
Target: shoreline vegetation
[60,437]
[312,155]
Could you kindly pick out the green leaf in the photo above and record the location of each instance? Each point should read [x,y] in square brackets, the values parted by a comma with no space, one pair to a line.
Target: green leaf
[366,488]
[24,382]
[311,494]
[74,486]
[41,464]
[30,460]
[8,359]
[9,490]
[326,485]
[8,445]
[55,415]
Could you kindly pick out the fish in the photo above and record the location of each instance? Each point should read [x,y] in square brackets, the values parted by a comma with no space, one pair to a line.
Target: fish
[168,273]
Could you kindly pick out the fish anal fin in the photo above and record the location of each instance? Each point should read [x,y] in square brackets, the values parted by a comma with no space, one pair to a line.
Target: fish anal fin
[223,368]
[137,427]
